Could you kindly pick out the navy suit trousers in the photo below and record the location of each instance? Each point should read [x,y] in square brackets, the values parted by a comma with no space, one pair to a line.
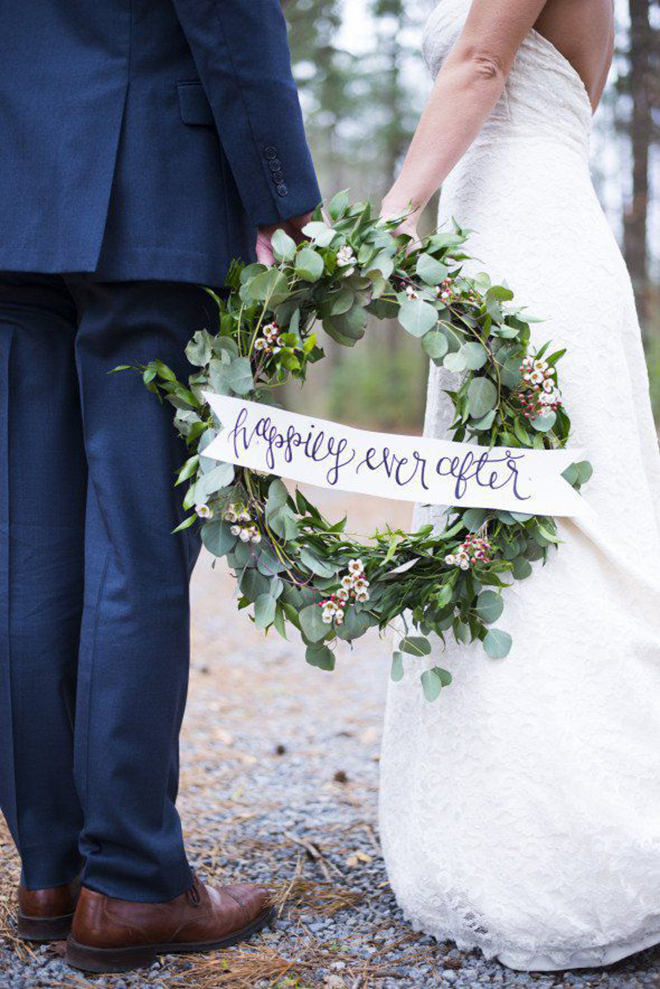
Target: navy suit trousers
[94,609]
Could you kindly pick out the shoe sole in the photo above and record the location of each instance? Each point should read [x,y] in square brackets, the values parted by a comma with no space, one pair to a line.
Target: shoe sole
[44,928]
[125,959]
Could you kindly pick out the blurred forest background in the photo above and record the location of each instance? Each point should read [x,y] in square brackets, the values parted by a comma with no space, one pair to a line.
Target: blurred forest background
[363,84]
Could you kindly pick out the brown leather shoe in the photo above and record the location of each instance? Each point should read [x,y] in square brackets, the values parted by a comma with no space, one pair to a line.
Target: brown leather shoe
[47,914]
[111,935]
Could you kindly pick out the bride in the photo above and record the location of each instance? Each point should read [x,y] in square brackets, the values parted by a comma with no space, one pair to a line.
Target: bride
[520,813]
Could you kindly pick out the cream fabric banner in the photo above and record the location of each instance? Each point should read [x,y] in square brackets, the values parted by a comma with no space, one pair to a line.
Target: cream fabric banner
[409,468]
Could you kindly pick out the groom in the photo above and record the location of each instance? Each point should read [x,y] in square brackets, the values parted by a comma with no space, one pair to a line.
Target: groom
[145,143]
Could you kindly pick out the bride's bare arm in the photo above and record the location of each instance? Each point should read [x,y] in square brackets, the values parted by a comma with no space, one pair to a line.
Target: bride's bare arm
[466,89]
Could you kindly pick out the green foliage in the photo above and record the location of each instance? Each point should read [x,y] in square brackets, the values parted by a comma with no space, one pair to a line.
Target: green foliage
[293,566]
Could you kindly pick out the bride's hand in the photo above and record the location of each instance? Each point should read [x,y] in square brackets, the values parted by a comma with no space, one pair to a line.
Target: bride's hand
[408,225]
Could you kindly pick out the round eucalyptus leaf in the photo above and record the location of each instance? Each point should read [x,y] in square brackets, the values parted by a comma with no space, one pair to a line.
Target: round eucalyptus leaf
[497,643]
[522,568]
[489,606]
[482,396]
[474,355]
[270,285]
[435,344]
[309,265]
[312,623]
[217,538]
[430,270]
[474,518]
[543,423]
[320,233]
[320,656]
[417,317]
[510,374]
[454,361]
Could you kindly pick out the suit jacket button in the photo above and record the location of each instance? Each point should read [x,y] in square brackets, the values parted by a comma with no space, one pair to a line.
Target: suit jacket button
[270,153]
[278,177]
[274,164]
[282,190]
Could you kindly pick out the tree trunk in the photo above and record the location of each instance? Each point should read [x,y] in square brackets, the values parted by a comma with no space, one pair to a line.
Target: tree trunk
[641,135]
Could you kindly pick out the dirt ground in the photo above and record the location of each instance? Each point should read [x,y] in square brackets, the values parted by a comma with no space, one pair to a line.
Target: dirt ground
[279,785]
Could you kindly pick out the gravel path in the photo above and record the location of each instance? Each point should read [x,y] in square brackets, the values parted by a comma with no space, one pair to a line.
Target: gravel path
[279,784]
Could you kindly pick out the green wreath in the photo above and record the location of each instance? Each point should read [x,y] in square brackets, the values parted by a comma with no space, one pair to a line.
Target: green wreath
[294,566]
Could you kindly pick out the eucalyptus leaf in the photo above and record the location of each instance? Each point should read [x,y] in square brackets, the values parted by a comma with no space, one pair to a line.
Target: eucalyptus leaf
[269,286]
[482,396]
[431,684]
[434,343]
[220,477]
[542,423]
[253,584]
[462,632]
[320,656]
[474,355]
[383,263]
[417,317]
[584,471]
[355,624]
[486,422]
[353,322]
[454,362]
[283,523]
[309,265]
[510,373]
[277,495]
[397,670]
[338,205]
[218,538]
[342,301]
[284,247]
[415,645]
[497,643]
[489,606]
[268,563]
[264,611]
[430,270]
[312,624]
[522,568]
[320,233]
[239,376]
[316,565]
[199,348]
[474,518]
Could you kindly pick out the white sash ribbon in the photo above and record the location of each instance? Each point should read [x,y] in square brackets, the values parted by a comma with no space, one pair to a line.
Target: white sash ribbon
[409,468]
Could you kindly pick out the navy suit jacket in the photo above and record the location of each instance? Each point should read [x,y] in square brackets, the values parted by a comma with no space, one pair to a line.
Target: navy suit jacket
[146,139]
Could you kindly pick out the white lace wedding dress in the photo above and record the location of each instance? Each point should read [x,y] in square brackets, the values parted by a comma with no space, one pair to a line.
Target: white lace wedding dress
[520,812]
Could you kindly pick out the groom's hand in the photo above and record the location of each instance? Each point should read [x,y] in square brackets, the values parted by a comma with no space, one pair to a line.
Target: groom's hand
[292,227]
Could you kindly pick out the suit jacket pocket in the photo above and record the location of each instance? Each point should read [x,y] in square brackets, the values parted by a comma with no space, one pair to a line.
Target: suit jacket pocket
[194,105]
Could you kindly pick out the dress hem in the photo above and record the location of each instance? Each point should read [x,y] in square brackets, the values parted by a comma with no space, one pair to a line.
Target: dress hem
[584,958]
